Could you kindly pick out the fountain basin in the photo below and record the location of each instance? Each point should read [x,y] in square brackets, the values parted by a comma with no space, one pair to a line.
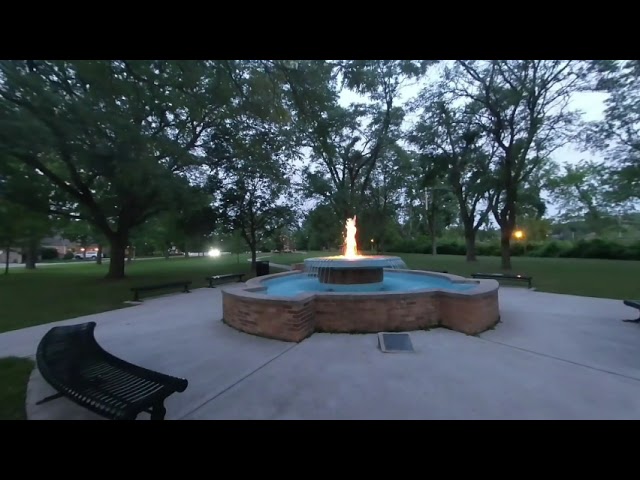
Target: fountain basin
[290,306]
[351,271]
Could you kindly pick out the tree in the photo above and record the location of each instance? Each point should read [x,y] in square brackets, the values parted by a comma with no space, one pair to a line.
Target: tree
[383,197]
[22,227]
[323,228]
[251,193]
[580,192]
[113,137]
[346,144]
[618,134]
[457,150]
[523,108]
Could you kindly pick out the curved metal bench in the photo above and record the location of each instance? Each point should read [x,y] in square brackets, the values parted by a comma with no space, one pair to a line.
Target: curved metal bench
[73,363]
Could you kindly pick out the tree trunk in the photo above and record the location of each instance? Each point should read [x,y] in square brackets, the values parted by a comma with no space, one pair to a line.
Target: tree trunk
[470,243]
[253,258]
[118,246]
[32,254]
[434,244]
[99,255]
[6,261]
[505,247]
[167,248]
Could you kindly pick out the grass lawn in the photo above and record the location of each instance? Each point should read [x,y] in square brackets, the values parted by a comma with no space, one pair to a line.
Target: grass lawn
[575,276]
[14,376]
[58,292]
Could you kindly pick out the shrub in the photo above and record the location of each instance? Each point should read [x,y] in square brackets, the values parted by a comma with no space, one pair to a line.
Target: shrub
[49,253]
[68,256]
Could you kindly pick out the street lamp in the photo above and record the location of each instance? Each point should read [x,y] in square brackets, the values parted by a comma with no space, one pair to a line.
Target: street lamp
[372,245]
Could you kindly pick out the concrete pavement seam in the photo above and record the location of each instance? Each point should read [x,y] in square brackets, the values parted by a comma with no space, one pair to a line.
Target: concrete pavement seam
[226,389]
[560,359]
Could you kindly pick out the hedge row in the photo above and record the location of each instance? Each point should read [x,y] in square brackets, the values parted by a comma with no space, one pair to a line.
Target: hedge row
[597,248]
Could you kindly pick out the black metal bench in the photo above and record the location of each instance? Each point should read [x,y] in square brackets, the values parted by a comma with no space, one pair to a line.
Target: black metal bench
[504,276]
[73,363]
[160,286]
[632,304]
[220,278]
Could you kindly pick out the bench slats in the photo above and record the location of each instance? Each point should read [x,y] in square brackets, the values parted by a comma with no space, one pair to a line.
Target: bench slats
[504,276]
[73,363]
[213,278]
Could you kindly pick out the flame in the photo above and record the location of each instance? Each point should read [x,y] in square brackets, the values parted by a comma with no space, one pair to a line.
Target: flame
[351,247]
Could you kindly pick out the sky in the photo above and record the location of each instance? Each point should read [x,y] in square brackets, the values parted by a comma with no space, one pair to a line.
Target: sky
[591,104]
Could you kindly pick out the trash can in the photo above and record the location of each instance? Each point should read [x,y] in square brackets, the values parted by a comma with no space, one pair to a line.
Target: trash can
[262,268]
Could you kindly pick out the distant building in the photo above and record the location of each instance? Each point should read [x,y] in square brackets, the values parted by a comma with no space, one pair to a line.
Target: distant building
[62,245]
[14,256]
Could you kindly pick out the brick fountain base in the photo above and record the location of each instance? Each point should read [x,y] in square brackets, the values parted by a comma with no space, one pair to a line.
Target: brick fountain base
[249,309]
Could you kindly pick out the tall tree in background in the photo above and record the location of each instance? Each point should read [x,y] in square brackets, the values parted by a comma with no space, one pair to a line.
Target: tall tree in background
[578,192]
[346,144]
[618,134]
[524,109]
[449,135]
[112,137]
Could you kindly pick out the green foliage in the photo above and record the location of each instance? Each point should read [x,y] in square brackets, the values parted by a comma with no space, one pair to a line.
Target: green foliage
[596,249]
[113,138]
[49,253]
[618,134]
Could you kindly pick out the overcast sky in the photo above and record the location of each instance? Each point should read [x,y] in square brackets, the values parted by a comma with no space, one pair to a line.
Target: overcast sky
[590,104]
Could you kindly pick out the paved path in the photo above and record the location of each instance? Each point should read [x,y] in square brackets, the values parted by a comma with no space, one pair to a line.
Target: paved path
[551,357]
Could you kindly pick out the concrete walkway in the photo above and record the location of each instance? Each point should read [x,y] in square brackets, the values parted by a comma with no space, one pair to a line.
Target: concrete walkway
[551,357]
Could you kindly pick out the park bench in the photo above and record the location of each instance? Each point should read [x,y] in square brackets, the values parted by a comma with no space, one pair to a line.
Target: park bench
[504,276]
[633,304]
[73,363]
[220,278]
[146,288]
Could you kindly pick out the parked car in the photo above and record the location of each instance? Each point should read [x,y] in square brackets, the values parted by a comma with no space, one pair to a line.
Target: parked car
[90,256]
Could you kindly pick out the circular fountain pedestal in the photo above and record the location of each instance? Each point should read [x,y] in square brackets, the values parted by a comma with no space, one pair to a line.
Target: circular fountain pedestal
[351,271]
[350,276]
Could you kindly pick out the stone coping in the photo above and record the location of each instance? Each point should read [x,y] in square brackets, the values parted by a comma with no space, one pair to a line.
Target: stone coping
[367,261]
[254,288]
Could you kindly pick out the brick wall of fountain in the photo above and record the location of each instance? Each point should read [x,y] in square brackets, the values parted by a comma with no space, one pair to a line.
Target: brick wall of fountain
[294,319]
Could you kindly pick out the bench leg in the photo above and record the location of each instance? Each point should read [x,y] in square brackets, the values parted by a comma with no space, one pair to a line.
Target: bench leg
[158,412]
[55,396]
[186,289]
[136,296]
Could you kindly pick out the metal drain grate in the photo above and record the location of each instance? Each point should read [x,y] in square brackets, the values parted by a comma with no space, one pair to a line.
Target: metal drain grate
[395,342]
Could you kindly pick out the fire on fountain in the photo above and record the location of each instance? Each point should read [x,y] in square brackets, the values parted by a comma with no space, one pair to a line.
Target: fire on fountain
[351,268]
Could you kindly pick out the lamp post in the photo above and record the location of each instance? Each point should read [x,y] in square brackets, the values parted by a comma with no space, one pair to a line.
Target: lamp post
[372,245]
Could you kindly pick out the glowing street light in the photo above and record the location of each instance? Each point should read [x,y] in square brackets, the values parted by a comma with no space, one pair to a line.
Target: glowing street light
[519,234]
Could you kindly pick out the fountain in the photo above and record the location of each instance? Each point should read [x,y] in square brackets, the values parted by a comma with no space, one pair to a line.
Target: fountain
[351,268]
[358,293]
